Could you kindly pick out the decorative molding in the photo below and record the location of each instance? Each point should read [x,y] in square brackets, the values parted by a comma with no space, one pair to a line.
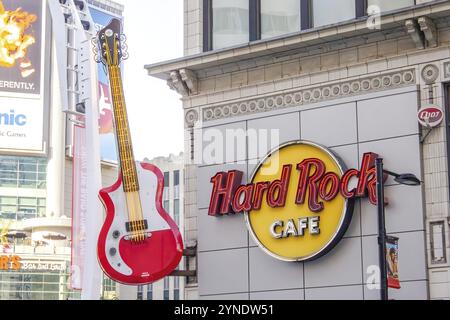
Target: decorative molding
[190,79]
[184,82]
[311,95]
[413,29]
[430,73]
[191,118]
[177,84]
[428,27]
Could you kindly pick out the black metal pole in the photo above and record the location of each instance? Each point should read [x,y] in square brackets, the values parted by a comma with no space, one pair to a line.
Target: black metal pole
[381,230]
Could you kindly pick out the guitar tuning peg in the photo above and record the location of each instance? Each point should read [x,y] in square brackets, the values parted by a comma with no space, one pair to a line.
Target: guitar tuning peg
[125,55]
[97,58]
[123,38]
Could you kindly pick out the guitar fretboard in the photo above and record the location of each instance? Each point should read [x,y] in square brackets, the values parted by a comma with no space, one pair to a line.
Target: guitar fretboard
[127,163]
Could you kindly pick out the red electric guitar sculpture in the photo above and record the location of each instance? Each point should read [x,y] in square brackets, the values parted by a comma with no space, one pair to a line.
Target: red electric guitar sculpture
[139,242]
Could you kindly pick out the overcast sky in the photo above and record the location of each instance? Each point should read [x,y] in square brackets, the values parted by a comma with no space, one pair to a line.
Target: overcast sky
[155,33]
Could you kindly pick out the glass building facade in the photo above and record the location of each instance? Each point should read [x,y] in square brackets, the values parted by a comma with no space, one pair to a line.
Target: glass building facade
[36,285]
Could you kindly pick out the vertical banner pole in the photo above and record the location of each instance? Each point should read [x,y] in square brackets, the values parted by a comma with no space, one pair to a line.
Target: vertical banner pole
[92,279]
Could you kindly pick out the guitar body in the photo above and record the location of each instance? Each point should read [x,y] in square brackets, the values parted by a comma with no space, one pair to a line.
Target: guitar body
[154,257]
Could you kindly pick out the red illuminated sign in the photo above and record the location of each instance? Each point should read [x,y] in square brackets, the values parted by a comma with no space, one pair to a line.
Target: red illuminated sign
[228,196]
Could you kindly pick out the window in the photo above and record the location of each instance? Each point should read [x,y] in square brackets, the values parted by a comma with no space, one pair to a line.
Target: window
[166,179]
[166,185]
[176,178]
[150,292]
[176,288]
[230,23]
[31,285]
[176,184]
[17,208]
[140,293]
[166,206]
[109,288]
[389,5]
[279,17]
[166,288]
[327,12]
[23,172]
[176,211]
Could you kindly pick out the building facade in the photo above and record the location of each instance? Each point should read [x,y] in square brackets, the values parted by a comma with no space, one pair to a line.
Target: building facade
[36,165]
[348,75]
[169,288]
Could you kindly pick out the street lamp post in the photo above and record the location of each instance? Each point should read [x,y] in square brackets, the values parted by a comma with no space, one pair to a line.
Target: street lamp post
[404,179]
[381,229]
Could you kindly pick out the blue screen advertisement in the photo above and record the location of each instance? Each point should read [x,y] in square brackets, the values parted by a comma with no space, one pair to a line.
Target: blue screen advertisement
[106,122]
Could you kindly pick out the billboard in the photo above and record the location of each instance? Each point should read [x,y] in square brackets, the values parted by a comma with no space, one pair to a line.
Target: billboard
[22,48]
[21,29]
[108,150]
[21,124]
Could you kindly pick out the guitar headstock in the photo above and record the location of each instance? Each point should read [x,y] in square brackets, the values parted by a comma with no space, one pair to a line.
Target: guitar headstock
[110,48]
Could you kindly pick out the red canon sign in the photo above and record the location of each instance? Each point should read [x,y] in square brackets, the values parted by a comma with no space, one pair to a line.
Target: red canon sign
[228,196]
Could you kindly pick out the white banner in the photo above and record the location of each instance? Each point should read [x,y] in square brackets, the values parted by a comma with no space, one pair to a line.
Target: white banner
[79,207]
[21,124]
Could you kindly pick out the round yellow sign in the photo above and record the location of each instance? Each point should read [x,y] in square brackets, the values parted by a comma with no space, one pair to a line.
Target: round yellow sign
[305,214]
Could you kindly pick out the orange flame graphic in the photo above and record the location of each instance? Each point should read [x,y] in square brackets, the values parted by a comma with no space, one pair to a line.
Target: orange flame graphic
[14,42]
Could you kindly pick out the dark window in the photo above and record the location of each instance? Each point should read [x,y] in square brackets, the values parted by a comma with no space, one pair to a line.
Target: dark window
[166,179]
[140,292]
[150,292]
[166,288]
[176,178]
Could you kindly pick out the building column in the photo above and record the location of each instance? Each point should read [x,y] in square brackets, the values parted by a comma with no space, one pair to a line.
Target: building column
[56,148]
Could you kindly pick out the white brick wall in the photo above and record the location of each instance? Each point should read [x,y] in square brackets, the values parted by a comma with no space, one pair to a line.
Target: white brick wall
[193,27]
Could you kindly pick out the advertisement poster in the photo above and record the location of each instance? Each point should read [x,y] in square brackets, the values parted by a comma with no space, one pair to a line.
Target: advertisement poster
[107,137]
[79,207]
[21,29]
[21,124]
[392,262]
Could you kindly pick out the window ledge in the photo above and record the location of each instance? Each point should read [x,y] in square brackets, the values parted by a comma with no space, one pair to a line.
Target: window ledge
[303,39]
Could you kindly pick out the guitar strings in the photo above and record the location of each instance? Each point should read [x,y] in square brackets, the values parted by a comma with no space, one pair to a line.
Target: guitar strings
[129,174]
[120,132]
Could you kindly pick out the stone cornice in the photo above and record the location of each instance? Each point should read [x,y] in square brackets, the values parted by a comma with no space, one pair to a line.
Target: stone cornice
[311,95]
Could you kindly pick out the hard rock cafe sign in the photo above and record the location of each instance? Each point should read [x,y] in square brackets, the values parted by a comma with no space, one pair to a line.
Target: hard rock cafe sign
[299,201]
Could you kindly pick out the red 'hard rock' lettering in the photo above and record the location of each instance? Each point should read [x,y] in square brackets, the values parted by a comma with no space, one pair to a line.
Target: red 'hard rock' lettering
[229,197]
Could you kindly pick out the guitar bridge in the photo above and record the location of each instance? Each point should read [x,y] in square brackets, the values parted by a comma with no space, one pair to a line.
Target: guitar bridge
[136,226]
[131,237]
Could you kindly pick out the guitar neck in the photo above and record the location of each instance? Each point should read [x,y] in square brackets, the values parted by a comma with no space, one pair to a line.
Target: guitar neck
[127,163]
